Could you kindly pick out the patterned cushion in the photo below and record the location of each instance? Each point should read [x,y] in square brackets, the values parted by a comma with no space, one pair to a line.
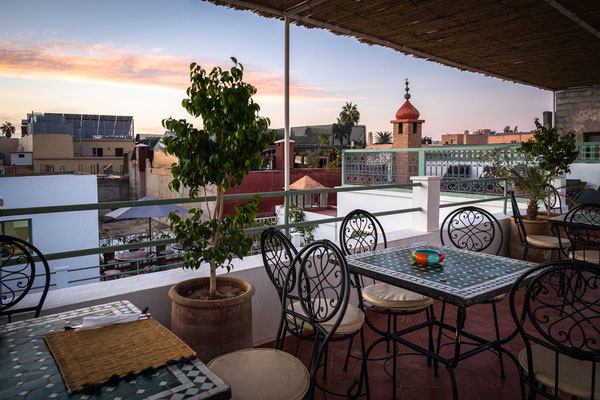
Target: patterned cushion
[266,374]
[394,298]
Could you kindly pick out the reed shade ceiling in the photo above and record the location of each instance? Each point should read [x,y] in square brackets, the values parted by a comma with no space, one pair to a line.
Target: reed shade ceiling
[551,44]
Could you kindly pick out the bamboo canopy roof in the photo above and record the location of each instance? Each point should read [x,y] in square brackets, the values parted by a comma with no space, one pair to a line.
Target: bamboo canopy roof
[550,44]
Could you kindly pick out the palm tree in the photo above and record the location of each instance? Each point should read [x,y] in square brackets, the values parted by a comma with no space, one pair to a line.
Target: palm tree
[383,137]
[349,115]
[7,129]
[347,118]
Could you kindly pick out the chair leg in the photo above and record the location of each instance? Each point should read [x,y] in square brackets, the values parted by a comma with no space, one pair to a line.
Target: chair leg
[389,320]
[348,354]
[326,355]
[365,375]
[394,364]
[525,253]
[502,375]
[298,340]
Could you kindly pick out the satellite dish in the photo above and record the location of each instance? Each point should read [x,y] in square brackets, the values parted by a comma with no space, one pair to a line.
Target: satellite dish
[108,169]
[516,128]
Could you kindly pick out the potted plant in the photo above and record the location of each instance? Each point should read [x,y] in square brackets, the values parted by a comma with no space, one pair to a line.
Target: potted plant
[214,314]
[548,155]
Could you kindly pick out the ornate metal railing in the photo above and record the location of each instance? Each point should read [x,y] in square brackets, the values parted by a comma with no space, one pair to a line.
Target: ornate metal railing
[589,152]
[453,163]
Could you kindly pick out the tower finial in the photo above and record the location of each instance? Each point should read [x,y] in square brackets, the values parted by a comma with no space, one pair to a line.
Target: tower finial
[407,95]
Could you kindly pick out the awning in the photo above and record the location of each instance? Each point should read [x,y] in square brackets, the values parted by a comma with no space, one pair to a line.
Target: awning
[550,44]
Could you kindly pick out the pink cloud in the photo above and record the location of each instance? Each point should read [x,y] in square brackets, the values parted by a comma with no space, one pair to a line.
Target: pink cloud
[105,62]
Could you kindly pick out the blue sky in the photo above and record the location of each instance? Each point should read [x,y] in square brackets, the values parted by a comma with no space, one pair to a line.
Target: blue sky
[132,57]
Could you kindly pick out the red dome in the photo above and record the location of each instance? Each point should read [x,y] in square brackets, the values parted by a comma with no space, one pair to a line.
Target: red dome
[407,111]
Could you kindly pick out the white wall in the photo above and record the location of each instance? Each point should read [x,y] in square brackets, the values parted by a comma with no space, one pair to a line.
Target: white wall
[589,173]
[322,231]
[57,232]
[381,200]
[21,158]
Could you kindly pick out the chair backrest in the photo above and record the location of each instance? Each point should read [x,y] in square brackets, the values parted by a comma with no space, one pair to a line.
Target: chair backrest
[472,228]
[561,313]
[323,288]
[552,201]
[23,269]
[518,219]
[582,225]
[361,231]
[277,254]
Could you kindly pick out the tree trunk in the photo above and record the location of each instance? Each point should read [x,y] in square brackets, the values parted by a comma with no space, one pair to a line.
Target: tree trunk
[213,279]
[532,210]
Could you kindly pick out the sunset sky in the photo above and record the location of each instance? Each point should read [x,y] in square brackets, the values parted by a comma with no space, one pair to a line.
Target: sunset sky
[132,58]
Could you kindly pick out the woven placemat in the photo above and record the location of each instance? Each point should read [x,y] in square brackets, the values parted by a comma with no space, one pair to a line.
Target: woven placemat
[92,357]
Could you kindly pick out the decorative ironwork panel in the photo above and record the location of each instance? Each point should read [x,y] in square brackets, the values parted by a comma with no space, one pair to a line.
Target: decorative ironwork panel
[379,167]
[460,164]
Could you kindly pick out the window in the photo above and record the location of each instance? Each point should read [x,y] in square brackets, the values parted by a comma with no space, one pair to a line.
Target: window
[97,152]
[591,136]
[118,152]
[453,141]
[21,155]
[414,127]
[400,127]
[20,228]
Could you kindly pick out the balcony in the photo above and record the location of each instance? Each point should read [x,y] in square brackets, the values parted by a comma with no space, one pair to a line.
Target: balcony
[411,205]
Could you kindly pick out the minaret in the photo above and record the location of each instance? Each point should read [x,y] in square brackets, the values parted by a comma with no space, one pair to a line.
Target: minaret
[407,125]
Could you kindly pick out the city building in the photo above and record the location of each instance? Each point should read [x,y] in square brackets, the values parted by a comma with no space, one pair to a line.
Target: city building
[466,138]
[53,142]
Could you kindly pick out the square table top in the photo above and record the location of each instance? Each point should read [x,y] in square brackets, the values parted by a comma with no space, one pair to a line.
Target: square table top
[29,371]
[463,278]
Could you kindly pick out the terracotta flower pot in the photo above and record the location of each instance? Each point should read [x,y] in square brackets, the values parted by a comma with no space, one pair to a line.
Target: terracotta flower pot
[212,327]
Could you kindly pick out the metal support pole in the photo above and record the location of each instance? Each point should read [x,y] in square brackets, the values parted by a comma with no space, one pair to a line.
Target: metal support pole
[554,108]
[505,193]
[286,121]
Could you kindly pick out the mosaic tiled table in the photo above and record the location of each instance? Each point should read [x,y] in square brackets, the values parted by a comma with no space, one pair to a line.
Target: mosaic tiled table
[28,370]
[464,278]
[591,222]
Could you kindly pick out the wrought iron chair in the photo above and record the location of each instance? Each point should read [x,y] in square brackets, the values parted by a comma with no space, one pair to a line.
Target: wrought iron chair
[582,225]
[474,229]
[23,270]
[360,232]
[560,324]
[278,252]
[541,242]
[319,277]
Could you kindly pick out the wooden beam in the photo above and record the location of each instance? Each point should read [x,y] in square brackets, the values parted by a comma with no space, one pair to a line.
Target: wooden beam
[574,18]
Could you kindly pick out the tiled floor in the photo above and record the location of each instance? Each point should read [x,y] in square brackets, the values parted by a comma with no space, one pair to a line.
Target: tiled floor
[478,377]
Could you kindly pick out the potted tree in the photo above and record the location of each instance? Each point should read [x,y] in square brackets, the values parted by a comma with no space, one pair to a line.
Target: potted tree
[548,156]
[214,314]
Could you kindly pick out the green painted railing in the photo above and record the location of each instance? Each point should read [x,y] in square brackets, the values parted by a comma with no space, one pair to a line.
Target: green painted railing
[376,167]
[169,241]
